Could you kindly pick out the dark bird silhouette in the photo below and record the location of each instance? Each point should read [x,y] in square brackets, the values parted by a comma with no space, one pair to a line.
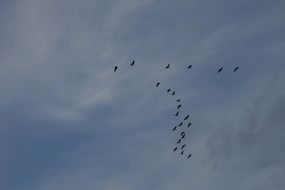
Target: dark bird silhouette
[133,63]
[178,100]
[115,68]
[220,69]
[185,118]
[173,93]
[177,113]
[167,66]
[179,141]
[182,152]
[189,156]
[179,106]
[168,90]
[182,133]
[189,124]
[236,69]
[180,124]
[183,146]
[189,67]
[174,149]
[157,84]
[174,129]
[183,136]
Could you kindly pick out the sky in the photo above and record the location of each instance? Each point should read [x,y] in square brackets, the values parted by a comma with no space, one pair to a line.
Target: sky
[68,122]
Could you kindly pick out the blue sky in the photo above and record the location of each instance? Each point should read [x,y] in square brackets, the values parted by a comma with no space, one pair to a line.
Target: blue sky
[67,121]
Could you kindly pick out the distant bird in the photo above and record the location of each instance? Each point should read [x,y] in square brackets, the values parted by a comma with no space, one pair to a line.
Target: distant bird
[183,136]
[180,124]
[189,156]
[179,141]
[133,63]
[185,118]
[173,93]
[236,69]
[179,106]
[157,84]
[177,113]
[167,66]
[189,124]
[189,67]
[168,90]
[115,68]
[182,133]
[220,69]
[182,152]
[178,100]
[174,129]
[183,146]
[174,149]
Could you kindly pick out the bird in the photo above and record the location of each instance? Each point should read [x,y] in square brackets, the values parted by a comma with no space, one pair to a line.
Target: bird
[167,66]
[178,100]
[133,63]
[189,156]
[182,133]
[236,69]
[177,113]
[182,152]
[180,124]
[183,136]
[179,106]
[189,67]
[185,118]
[189,124]
[115,68]
[179,141]
[157,84]
[174,149]
[168,90]
[174,129]
[183,146]
[220,69]
[173,93]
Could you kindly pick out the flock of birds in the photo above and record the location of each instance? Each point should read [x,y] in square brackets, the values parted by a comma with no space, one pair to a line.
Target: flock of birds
[183,125]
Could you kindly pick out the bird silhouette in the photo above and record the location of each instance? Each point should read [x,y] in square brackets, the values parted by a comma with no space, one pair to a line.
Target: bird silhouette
[189,156]
[177,113]
[157,84]
[115,68]
[167,66]
[183,136]
[133,63]
[173,93]
[189,124]
[236,69]
[182,152]
[185,118]
[168,90]
[179,106]
[178,100]
[174,129]
[182,133]
[174,149]
[189,67]
[180,124]
[183,146]
[220,69]
[179,141]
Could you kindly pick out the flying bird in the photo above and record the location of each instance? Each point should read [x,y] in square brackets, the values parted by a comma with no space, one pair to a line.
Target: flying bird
[168,90]
[182,152]
[183,136]
[236,69]
[179,141]
[189,156]
[185,118]
[189,67]
[189,124]
[179,106]
[157,84]
[133,63]
[167,66]
[220,69]
[115,68]
[180,124]
[174,129]
[182,133]
[178,100]
[177,113]
[183,146]
[173,93]
[174,149]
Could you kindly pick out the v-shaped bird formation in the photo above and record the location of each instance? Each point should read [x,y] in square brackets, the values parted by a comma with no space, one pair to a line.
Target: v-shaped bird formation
[182,129]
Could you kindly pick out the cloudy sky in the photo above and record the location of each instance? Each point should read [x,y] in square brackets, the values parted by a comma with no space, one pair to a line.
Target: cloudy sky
[68,122]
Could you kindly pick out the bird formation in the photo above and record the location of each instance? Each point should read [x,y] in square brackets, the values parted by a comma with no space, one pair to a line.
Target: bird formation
[183,126]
